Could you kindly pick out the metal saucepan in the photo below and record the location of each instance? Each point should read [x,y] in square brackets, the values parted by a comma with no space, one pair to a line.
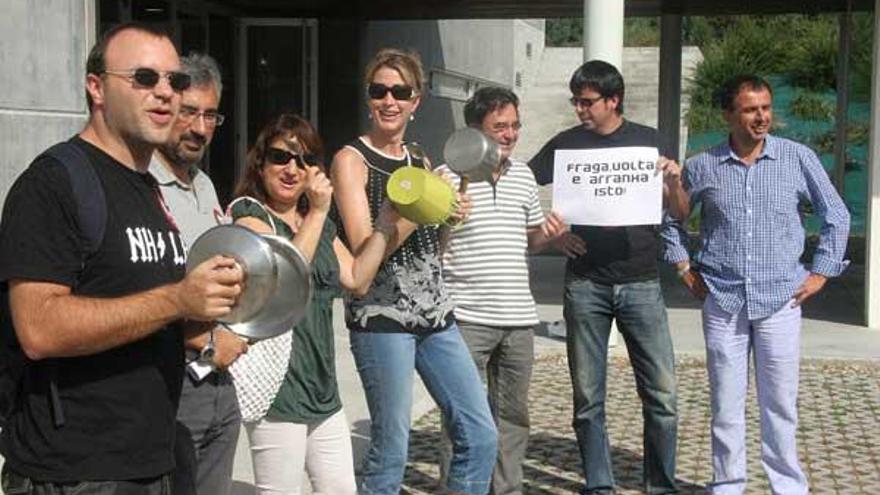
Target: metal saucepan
[472,155]
[277,286]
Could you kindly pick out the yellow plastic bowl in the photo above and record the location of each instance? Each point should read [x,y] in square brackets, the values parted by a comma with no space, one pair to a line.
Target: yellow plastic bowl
[421,196]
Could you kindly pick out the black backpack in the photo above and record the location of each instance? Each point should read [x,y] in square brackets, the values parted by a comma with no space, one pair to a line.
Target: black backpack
[92,221]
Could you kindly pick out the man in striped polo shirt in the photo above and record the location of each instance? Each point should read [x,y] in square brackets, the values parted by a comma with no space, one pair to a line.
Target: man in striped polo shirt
[486,273]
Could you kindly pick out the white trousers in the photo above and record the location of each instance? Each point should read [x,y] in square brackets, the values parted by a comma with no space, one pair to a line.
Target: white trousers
[775,341]
[281,451]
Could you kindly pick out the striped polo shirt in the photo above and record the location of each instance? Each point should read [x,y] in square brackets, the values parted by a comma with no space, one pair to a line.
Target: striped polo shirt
[484,264]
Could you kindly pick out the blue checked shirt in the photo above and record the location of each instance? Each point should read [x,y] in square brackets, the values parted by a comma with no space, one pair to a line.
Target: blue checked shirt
[751,232]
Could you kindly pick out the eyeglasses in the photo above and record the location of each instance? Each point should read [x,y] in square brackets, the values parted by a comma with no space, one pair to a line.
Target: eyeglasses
[212,117]
[400,92]
[278,156]
[584,102]
[148,78]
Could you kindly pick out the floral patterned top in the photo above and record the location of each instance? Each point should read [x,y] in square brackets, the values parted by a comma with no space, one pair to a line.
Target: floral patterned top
[408,294]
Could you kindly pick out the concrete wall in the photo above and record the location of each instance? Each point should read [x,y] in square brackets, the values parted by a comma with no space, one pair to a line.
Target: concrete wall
[42,55]
[528,46]
[488,50]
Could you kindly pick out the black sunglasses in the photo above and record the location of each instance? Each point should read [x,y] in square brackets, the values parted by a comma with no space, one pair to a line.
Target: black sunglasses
[278,156]
[148,78]
[400,92]
[584,102]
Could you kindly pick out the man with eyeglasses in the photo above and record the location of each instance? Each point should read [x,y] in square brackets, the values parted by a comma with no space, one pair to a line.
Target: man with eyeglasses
[101,329]
[487,275]
[612,274]
[208,412]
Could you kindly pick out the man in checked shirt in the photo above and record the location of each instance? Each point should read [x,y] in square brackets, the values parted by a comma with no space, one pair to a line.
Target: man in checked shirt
[747,272]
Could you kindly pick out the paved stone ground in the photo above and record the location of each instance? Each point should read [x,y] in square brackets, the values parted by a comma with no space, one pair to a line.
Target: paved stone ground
[839,436]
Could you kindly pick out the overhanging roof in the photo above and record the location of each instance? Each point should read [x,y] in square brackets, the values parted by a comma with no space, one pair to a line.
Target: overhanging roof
[522,9]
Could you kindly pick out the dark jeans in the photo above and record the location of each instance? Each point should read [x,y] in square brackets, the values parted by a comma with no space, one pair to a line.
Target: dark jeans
[640,313]
[17,484]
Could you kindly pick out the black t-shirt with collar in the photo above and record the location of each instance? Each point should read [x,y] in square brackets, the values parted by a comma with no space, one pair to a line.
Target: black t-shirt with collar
[119,405]
[615,255]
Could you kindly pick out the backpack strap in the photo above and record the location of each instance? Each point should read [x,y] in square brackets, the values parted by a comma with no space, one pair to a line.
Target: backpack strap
[91,215]
[87,191]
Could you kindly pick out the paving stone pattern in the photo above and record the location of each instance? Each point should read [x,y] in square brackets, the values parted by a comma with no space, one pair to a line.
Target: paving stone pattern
[839,431]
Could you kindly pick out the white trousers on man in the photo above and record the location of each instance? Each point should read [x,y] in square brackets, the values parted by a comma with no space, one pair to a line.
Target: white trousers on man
[775,342]
[282,451]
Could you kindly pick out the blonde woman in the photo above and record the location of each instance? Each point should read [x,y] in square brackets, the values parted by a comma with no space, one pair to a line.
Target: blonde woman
[404,323]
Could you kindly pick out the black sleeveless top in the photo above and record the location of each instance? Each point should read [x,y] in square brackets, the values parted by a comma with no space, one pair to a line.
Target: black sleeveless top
[408,294]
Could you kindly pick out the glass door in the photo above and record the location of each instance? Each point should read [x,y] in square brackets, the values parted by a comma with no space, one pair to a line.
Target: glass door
[277,72]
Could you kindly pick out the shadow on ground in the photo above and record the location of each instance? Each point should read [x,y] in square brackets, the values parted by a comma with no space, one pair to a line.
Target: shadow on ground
[839,442]
[840,301]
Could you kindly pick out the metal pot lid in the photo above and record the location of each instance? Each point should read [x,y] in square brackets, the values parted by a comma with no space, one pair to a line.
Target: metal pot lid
[254,255]
[470,153]
[290,297]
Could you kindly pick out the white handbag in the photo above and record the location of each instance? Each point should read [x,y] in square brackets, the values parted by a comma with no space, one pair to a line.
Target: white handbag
[259,373]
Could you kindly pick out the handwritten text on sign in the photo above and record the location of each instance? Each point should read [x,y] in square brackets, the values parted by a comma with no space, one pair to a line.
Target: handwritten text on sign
[608,186]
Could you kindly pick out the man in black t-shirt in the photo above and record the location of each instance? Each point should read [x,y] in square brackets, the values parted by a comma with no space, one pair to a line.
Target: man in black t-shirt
[101,329]
[612,274]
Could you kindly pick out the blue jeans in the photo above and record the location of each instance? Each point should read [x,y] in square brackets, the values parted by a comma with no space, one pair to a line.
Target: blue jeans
[385,362]
[640,313]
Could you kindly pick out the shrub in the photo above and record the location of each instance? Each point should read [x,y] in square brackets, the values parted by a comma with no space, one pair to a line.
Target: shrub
[704,118]
[860,61]
[810,106]
[747,47]
[641,31]
[812,61]
[856,134]
[567,31]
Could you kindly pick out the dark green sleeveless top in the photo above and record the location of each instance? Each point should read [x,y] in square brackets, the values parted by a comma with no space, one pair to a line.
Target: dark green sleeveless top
[309,392]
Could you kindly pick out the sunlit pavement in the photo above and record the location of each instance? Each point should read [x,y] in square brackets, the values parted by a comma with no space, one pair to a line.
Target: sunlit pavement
[838,436]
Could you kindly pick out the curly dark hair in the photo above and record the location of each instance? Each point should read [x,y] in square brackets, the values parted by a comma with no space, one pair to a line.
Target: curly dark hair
[285,125]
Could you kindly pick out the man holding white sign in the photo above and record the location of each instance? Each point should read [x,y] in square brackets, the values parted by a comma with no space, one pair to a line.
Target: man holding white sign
[607,184]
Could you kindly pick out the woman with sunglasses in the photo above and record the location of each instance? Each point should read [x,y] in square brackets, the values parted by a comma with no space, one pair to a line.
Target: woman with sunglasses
[405,322]
[284,191]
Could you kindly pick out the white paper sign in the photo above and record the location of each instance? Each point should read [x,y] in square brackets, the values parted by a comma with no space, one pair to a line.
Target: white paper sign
[608,186]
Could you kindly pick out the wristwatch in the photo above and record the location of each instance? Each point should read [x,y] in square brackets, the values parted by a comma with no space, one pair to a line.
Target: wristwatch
[207,353]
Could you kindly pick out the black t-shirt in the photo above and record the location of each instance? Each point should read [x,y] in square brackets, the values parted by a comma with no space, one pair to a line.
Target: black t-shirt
[614,255]
[119,405]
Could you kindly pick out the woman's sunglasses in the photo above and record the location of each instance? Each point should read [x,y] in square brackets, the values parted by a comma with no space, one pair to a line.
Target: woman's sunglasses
[148,78]
[400,92]
[278,156]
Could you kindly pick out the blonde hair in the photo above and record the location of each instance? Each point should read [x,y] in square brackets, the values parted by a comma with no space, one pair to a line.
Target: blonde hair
[407,63]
